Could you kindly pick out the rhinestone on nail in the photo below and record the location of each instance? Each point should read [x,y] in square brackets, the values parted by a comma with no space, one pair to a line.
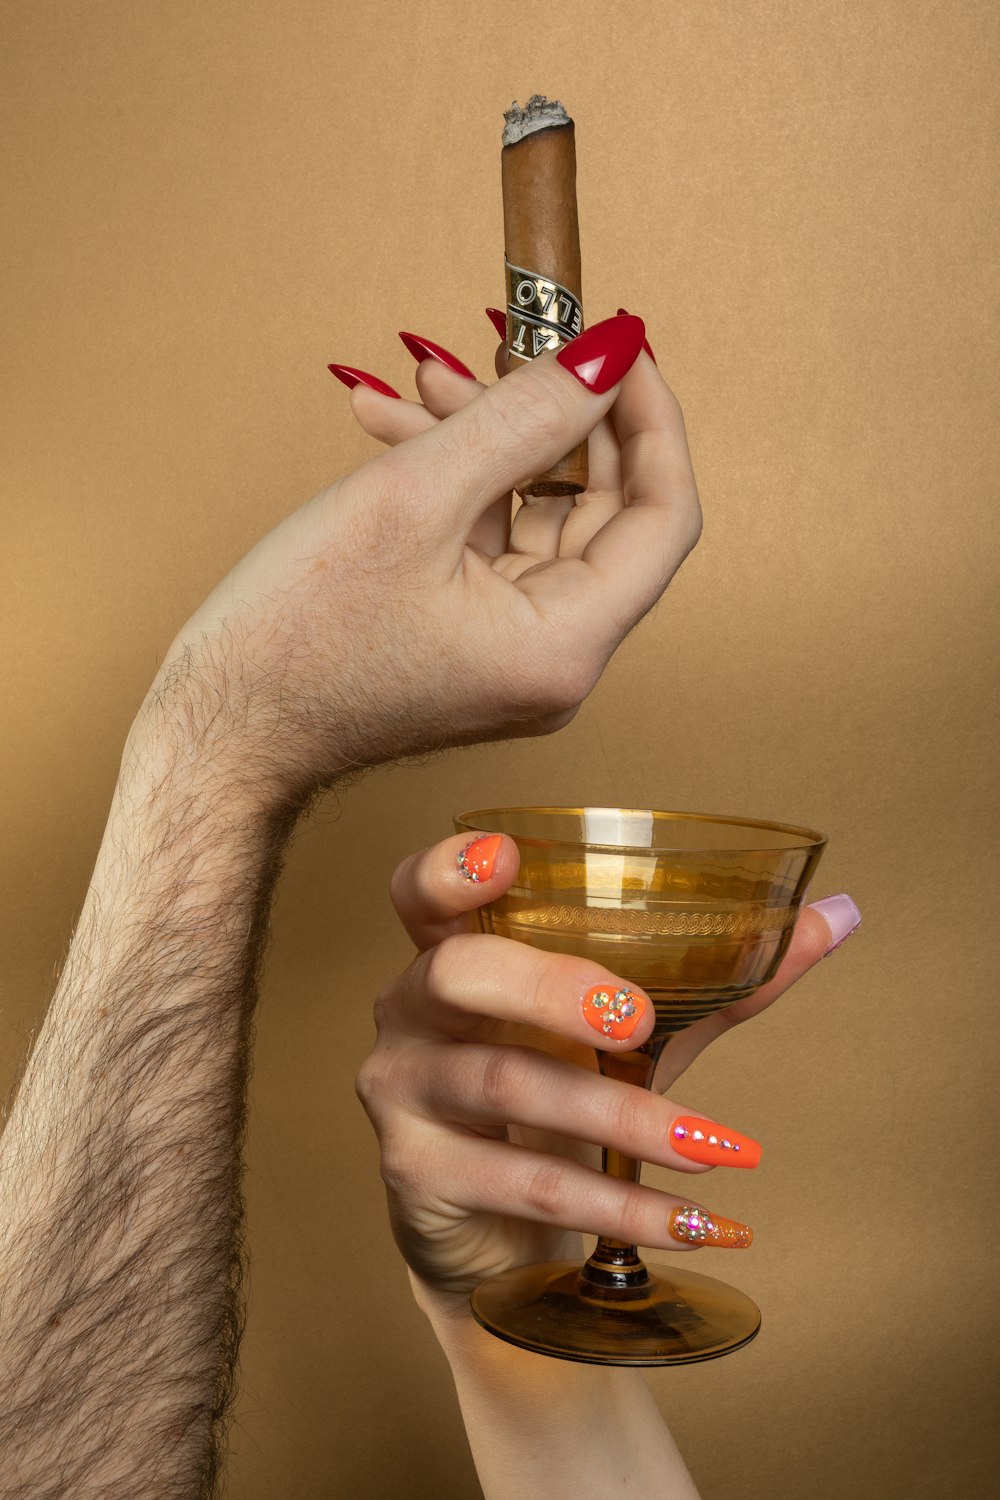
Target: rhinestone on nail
[621,1008]
[693,1225]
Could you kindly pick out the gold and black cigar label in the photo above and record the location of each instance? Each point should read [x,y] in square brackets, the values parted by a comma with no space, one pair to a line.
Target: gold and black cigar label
[541,314]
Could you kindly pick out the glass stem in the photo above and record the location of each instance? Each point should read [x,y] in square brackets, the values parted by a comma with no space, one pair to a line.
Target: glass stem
[614,1263]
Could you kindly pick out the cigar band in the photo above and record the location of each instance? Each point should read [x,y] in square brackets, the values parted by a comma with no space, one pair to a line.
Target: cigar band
[541,314]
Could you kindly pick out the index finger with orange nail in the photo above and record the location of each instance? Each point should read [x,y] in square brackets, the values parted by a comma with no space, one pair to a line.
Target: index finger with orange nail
[463,985]
[437,892]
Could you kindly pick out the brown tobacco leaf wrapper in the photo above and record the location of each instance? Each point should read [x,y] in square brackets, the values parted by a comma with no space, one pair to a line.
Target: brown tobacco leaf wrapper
[542,240]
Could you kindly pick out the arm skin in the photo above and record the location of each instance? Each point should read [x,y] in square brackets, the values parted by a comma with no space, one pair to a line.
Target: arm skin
[540,1426]
[391,615]
[120,1240]
[502,1391]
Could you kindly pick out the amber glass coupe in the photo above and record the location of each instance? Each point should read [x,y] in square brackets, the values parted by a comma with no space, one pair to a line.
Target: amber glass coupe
[699,911]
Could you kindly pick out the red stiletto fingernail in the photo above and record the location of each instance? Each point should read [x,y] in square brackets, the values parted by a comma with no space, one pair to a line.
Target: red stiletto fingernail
[614,1013]
[711,1144]
[623,312]
[601,356]
[499,320]
[422,349]
[351,378]
[477,859]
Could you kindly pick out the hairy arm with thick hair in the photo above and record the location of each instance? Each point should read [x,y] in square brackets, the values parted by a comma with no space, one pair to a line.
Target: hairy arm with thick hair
[120,1233]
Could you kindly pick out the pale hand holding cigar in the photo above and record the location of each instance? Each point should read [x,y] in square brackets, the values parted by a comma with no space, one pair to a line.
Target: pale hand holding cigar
[401,610]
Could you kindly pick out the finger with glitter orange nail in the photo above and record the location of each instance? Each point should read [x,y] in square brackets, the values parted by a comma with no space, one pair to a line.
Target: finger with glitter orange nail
[696,1226]
[614,1012]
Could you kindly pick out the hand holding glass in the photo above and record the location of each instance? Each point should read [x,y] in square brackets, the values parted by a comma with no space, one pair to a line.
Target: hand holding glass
[698,911]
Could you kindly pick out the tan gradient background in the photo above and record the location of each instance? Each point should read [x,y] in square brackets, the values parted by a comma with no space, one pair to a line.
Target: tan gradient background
[203,203]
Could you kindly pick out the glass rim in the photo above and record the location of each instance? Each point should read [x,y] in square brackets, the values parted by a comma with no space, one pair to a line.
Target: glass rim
[475,822]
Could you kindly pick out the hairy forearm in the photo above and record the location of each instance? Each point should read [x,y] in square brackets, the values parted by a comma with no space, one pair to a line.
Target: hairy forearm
[539,1426]
[119,1162]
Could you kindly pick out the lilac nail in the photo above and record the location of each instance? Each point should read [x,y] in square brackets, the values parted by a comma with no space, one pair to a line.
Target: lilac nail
[841,916]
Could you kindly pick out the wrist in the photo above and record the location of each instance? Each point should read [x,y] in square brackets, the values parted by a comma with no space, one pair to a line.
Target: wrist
[449,1313]
[190,855]
[211,730]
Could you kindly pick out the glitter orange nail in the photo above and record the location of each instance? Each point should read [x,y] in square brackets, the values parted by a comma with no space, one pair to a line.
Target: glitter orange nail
[613,1012]
[695,1226]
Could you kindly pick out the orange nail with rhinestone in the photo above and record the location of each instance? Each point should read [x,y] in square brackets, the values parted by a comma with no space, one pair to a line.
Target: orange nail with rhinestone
[613,1012]
[711,1144]
[695,1226]
[477,859]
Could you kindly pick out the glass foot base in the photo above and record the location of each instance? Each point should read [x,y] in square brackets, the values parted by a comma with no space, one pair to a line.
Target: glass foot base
[673,1318]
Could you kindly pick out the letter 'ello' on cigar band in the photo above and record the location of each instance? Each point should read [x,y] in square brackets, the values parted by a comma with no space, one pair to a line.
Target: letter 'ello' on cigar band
[541,314]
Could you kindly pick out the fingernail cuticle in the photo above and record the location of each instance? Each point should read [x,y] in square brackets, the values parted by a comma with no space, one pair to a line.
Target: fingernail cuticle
[476,860]
[712,1144]
[695,1226]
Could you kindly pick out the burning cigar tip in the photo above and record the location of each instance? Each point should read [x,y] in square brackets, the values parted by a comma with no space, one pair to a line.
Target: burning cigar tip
[538,114]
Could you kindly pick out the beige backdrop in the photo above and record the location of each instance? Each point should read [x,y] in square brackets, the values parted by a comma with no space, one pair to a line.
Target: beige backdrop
[204,202]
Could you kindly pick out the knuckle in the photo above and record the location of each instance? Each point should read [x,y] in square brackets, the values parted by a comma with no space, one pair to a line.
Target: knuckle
[382,1007]
[441,966]
[633,1216]
[369,1082]
[675,409]
[396,1162]
[502,1079]
[546,1191]
[401,880]
[631,1116]
[384,1079]
[696,526]
[538,407]
[550,976]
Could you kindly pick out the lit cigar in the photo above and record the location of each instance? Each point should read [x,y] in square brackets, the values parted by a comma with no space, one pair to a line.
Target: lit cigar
[542,254]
